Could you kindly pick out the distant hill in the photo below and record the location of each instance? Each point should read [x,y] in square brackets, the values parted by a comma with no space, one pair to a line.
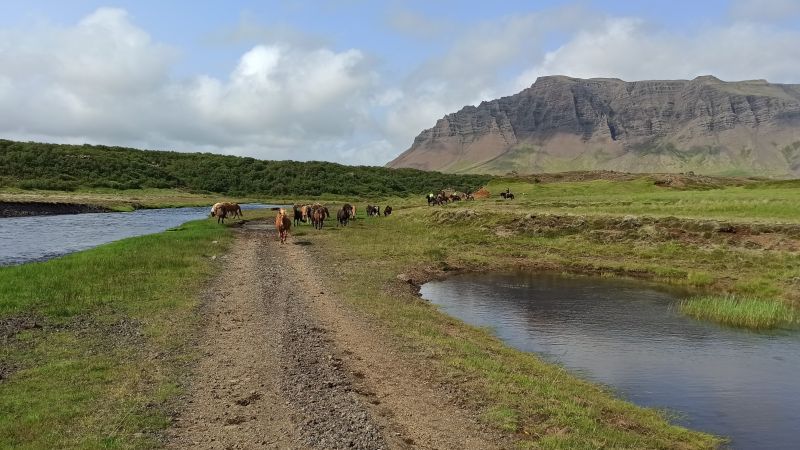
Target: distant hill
[30,165]
[560,123]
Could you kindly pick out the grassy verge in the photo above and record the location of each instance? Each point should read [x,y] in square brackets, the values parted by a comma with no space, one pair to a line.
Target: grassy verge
[742,312]
[540,404]
[757,201]
[94,342]
[120,200]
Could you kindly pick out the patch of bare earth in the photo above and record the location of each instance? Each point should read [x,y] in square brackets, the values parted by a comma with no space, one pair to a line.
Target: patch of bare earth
[285,365]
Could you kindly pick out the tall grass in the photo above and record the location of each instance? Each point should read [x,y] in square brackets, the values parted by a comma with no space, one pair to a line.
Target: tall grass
[743,312]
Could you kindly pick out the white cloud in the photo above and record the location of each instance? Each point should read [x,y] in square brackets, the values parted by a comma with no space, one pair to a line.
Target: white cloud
[631,49]
[104,80]
[293,95]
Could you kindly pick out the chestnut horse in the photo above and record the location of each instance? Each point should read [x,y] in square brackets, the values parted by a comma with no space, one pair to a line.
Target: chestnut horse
[282,224]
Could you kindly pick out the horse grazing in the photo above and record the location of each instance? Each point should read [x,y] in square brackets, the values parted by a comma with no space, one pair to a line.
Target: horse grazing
[373,211]
[387,211]
[283,223]
[343,216]
[318,216]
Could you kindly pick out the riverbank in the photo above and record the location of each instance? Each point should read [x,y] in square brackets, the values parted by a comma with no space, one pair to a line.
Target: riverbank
[108,200]
[378,265]
[94,344]
[25,209]
[746,245]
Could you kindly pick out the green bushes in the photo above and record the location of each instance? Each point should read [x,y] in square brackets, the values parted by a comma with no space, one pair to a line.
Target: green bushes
[30,165]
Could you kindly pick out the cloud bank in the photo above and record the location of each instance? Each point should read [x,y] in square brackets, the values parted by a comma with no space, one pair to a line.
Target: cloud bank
[105,80]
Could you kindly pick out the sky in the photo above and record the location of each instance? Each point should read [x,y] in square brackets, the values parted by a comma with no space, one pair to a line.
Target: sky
[350,81]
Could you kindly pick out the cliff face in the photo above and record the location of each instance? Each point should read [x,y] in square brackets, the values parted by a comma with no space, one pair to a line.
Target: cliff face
[705,125]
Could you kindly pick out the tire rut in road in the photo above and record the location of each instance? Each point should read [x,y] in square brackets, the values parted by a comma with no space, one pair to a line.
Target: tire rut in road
[328,412]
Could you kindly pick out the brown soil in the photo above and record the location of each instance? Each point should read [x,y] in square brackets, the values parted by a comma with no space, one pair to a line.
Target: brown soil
[285,364]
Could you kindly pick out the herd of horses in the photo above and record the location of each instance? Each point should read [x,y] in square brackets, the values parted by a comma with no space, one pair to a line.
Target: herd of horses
[316,213]
[442,197]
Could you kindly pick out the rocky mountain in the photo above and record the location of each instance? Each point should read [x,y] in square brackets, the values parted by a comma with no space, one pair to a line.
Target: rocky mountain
[560,123]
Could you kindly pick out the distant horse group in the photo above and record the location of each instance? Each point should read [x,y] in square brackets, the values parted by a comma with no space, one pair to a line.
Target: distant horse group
[442,197]
[316,215]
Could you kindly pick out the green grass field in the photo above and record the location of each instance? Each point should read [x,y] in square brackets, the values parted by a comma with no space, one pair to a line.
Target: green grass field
[103,363]
[756,202]
[95,343]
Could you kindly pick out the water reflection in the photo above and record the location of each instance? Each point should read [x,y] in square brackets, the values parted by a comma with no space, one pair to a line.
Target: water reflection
[628,335]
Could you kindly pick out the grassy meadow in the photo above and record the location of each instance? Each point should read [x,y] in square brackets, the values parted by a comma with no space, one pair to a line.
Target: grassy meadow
[776,201]
[95,343]
[612,229]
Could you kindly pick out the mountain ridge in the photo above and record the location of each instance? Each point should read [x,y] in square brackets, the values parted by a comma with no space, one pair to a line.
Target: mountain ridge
[559,123]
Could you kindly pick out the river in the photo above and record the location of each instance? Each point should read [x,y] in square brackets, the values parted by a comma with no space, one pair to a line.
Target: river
[38,238]
[628,335]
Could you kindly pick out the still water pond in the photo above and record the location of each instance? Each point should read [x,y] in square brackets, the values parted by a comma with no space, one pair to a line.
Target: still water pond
[37,238]
[628,335]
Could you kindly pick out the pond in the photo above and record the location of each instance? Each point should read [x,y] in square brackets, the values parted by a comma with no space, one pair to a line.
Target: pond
[628,335]
[38,238]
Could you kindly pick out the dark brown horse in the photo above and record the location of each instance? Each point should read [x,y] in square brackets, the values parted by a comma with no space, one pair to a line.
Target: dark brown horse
[318,216]
[343,216]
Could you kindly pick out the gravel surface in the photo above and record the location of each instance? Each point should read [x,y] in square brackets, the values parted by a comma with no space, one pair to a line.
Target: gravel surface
[285,365]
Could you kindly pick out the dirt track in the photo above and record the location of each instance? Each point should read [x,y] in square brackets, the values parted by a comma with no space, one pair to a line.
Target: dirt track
[285,365]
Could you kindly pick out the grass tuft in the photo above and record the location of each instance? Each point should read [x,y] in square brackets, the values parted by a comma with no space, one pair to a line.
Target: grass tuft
[743,312]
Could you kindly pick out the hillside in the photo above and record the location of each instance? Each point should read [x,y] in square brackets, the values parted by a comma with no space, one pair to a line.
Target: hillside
[560,123]
[69,167]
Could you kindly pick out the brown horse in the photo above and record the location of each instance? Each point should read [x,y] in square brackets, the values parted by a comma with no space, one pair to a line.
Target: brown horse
[318,216]
[283,223]
[218,211]
[233,208]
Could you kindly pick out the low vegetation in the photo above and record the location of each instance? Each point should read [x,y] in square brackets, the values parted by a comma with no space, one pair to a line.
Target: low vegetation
[745,312]
[122,200]
[39,166]
[94,343]
[751,201]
